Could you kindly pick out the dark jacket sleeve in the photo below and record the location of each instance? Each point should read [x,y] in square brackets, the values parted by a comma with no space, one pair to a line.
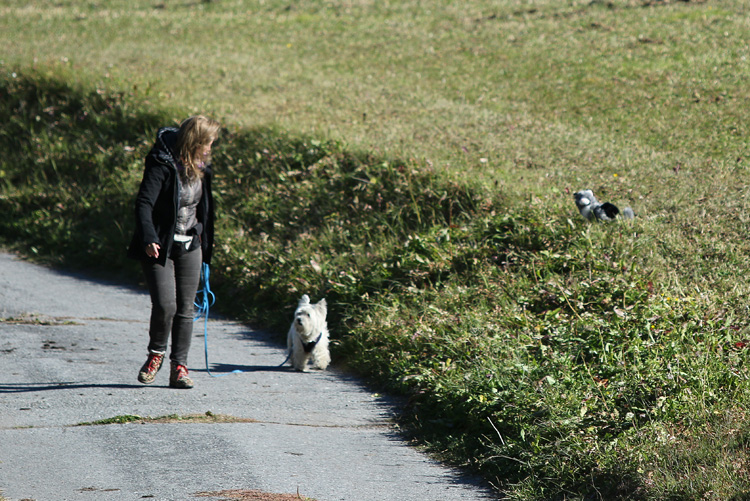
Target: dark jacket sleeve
[154,212]
[151,185]
[207,234]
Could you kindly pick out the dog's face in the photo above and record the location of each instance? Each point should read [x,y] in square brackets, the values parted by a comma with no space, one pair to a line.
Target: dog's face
[309,318]
[584,198]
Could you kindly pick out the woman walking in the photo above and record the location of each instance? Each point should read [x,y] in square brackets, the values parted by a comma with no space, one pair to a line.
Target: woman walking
[174,234]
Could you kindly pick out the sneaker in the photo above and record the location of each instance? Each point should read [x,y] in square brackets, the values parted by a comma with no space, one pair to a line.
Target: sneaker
[178,377]
[150,368]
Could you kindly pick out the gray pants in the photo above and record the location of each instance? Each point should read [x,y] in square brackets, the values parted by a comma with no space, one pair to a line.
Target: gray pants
[173,288]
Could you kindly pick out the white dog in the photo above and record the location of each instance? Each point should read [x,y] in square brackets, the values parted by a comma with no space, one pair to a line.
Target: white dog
[307,340]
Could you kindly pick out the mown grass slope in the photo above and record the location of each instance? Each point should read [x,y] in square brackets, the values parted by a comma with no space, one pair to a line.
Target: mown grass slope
[428,196]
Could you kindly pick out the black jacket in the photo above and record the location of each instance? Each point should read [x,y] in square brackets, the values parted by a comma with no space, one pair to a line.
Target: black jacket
[157,203]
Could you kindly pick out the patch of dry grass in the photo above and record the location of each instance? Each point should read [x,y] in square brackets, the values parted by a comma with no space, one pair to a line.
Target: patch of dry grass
[252,495]
[208,417]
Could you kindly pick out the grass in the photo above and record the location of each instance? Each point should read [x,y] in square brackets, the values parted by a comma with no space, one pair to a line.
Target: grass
[450,83]
[208,417]
[252,495]
[415,165]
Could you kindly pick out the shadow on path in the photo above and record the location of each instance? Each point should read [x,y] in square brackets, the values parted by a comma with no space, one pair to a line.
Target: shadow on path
[224,369]
[29,387]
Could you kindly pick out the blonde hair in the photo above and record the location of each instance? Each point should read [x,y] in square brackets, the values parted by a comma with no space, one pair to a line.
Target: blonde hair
[195,133]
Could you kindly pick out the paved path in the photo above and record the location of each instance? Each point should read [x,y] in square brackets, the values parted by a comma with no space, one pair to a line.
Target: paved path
[70,350]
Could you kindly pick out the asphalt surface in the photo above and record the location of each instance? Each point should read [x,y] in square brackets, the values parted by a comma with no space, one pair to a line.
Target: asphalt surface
[70,350]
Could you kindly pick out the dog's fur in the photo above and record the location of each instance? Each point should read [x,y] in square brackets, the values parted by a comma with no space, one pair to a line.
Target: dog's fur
[593,210]
[307,340]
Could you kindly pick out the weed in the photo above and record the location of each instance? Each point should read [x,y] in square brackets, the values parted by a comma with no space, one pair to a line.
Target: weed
[208,417]
[126,418]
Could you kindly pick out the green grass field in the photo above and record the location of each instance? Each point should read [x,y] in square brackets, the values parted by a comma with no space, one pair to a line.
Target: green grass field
[414,162]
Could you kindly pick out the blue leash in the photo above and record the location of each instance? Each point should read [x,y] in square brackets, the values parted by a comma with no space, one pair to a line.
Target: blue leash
[204,299]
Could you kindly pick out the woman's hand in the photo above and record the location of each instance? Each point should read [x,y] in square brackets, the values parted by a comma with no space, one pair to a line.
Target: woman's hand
[152,250]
